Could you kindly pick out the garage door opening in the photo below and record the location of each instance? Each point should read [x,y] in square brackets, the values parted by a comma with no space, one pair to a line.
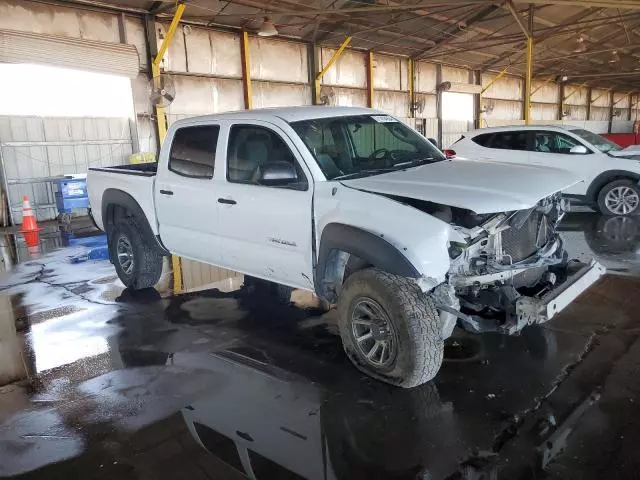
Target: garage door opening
[58,121]
[457,116]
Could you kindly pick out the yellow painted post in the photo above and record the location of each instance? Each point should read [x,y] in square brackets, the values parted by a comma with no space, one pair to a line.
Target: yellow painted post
[246,69]
[527,81]
[331,61]
[162,121]
[370,79]
[412,97]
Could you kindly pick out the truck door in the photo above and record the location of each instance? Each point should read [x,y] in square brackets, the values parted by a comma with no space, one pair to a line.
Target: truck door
[265,229]
[186,193]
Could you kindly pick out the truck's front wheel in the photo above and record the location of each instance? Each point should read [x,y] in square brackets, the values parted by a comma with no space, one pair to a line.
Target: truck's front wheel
[389,328]
[137,263]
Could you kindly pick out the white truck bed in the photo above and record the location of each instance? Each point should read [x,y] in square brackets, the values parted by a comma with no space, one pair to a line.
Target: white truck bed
[137,180]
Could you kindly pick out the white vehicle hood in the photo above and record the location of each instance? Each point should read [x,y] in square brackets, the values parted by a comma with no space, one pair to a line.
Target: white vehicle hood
[483,187]
[625,152]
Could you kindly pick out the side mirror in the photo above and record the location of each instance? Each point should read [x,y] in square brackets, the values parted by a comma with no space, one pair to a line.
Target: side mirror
[579,150]
[276,174]
[434,142]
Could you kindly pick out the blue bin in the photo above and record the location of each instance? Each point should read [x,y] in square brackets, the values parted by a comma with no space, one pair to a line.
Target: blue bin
[71,194]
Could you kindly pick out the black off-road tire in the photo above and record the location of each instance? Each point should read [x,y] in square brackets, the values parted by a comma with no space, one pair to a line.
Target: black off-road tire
[624,182]
[147,260]
[413,316]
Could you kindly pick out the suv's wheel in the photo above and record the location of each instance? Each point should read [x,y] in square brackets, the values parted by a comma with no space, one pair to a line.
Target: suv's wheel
[620,197]
[389,328]
[138,264]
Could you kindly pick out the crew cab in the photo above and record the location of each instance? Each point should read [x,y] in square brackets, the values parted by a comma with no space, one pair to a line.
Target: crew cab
[351,204]
[610,174]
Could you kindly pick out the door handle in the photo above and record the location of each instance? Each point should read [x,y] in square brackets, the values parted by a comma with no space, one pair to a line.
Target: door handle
[166,192]
[227,201]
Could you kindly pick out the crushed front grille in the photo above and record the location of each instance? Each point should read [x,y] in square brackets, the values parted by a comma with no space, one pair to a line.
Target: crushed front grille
[520,243]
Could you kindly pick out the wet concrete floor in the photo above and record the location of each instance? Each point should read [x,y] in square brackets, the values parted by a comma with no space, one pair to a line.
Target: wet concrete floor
[133,385]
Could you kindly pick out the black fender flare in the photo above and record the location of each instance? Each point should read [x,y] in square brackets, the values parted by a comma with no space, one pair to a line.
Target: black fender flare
[606,177]
[114,197]
[355,241]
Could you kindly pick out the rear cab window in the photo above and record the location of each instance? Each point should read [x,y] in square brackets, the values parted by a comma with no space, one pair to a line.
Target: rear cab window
[193,151]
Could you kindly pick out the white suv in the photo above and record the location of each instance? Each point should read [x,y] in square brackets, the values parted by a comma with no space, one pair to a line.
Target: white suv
[610,175]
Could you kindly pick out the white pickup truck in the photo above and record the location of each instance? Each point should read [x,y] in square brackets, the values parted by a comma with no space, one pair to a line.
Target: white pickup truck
[355,206]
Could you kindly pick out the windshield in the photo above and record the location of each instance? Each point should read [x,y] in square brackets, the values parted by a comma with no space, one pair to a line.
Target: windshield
[363,145]
[596,140]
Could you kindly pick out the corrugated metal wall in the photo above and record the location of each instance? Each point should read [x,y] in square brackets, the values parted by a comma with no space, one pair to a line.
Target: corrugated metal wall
[35,148]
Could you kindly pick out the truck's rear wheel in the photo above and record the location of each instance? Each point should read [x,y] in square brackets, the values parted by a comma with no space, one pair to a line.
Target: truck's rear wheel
[389,328]
[138,264]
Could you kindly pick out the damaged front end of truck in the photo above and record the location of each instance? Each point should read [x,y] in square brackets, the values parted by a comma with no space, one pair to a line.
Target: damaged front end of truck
[512,270]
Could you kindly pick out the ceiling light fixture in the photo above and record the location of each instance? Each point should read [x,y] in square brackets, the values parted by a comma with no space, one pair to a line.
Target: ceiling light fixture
[267,29]
[615,58]
[581,46]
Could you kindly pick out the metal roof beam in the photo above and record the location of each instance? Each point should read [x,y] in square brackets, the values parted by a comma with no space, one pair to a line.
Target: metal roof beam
[519,20]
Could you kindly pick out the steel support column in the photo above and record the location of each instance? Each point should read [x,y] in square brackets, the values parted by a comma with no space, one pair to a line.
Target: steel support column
[370,79]
[161,120]
[439,102]
[246,70]
[527,82]
[412,95]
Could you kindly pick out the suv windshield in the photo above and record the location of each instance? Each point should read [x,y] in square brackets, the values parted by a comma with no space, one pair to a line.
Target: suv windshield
[363,145]
[596,140]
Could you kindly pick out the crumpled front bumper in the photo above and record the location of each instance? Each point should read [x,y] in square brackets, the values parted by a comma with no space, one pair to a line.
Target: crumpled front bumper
[531,310]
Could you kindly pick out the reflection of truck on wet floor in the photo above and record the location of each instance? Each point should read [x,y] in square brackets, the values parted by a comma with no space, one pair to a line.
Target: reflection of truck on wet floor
[355,206]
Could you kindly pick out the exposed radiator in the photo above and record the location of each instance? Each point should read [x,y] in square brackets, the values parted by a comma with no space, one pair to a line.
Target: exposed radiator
[523,242]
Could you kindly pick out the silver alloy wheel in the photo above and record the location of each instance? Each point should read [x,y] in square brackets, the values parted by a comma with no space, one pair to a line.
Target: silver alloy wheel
[622,200]
[373,333]
[124,250]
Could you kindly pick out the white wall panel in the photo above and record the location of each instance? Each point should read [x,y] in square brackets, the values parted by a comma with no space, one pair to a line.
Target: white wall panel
[576,95]
[36,17]
[202,96]
[621,101]
[599,113]
[278,60]
[390,72]
[425,77]
[621,126]
[546,92]
[266,94]
[175,59]
[505,88]
[213,53]
[576,112]
[453,74]
[350,97]
[135,36]
[600,98]
[503,109]
[348,71]
[430,109]
[544,112]
[394,103]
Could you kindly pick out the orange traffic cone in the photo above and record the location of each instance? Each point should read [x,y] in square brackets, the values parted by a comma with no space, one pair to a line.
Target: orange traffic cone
[29,225]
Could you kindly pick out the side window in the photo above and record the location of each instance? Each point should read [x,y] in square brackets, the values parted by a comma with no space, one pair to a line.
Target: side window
[553,142]
[483,139]
[564,143]
[252,147]
[509,140]
[193,151]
